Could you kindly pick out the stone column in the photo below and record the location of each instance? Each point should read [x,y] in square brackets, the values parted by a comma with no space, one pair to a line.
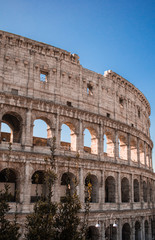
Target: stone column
[142,228]
[28,130]
[128,149]
[102,231]
[102,190]
[57,129]
[100,140]
[150,230]
[26,187]
[80,140]
[131,191]
[118,191]
[141,191]
[119,230]
[145,154]
[132,229]
[138,153]
[81,186]
[116,145]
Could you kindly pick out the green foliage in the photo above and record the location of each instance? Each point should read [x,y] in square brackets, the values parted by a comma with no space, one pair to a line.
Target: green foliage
[67,220]
[8,230]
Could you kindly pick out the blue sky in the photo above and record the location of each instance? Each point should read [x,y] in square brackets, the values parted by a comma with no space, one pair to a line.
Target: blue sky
[106,34]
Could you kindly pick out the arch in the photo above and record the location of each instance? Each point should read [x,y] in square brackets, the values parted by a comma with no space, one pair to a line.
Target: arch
[68,182]
[123,147]
[6,132]
[37,188]
[133,149]
[90,141]
[144,191]
[41,132]
[92,179]
[137,231]
[9,177]
[136,190]
[111,232]
[110,147]
[14,121]
[110,189]
[93,233]
[126,232]
[125,190]
[146,226]
[68,136]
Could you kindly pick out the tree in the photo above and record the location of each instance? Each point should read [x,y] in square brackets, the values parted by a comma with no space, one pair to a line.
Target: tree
[8,230]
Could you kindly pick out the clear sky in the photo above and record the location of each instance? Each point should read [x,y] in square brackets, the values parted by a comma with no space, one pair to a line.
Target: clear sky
[106,34]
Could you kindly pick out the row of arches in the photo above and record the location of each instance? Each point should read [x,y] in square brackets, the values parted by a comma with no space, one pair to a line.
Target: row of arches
[111,143]
[127,232]
[8,175]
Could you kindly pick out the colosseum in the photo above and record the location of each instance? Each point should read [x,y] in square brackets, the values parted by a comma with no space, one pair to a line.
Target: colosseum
[39,81]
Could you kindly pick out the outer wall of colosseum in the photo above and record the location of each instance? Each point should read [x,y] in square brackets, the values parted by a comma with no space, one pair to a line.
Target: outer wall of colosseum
[39,81]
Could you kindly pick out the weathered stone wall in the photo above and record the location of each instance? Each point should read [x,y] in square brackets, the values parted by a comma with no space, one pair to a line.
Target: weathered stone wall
[38,81]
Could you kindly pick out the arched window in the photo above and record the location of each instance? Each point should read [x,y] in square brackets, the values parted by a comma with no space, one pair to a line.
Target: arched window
[125,190]
[136,190]
[90,141]
[8,176]
[14,121]
[92,179]
[110,190]
[41,133]
[68,137]
[146,230]
[126,232]
[38,186]
[68,183]
[144,191]
[137,231]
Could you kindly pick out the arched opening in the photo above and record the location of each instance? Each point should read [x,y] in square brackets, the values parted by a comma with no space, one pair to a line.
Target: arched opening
[144,191]
[93,181]
[146,225]
[105,144]
[68,137]
[110,190]
[137,231]
[136,190]
[93,233]
[125,190]
[68,183]
[90,141]
[8,176]
[37,187]
[41,133]
[126,232]
[109,144]
[111,233]
[123,147]
[6,133]
[141,153]
[14,122]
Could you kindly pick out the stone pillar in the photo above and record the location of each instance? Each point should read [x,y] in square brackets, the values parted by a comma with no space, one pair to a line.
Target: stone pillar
[28,130]
[26,187]
[142,229]
[116,145]
[132,229]
[150,230]
[58,129]
[100,142]
[128,149]
[118,191]
[138,153]
[145,154]
[81,186]
[131,191]
[102,190]
[80,140]
[102,235]
[119,230]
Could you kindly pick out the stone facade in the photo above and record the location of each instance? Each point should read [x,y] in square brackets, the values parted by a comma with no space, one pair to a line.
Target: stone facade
[39,81]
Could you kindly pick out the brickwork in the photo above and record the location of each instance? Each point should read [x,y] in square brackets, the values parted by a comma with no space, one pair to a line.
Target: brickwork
[39,81]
